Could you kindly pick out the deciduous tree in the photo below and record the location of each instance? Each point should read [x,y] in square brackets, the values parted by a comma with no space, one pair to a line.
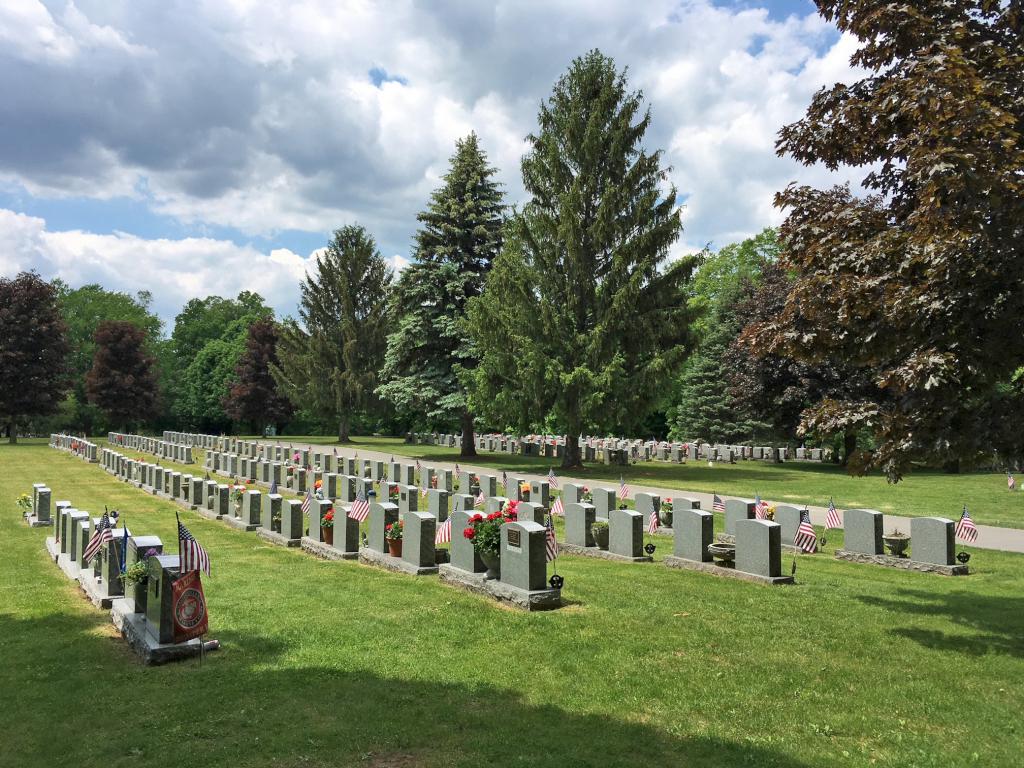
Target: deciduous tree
[254,396]
[122,381]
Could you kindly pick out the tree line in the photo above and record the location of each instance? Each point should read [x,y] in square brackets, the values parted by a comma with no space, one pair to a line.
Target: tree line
[879,324]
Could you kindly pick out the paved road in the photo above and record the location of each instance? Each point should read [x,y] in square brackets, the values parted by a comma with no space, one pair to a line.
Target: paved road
[989,537]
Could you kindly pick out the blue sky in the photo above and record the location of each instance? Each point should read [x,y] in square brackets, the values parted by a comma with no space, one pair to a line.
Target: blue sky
[189,150]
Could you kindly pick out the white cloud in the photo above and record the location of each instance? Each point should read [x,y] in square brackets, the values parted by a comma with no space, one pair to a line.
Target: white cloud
[263,117]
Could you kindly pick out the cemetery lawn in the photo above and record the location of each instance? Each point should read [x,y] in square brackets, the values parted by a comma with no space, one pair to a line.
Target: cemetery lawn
[333,663]
[922,493]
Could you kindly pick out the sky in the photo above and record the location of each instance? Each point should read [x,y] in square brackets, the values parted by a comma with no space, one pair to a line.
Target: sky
[209,147]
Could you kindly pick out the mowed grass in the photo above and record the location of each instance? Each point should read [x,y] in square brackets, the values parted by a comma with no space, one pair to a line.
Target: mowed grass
[922,493]
[340,664]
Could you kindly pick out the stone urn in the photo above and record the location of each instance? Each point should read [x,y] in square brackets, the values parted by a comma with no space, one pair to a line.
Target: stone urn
[897,543]
[665,517]
[327,535]
[724,554]
[600,536]
[395,547]
[493,562]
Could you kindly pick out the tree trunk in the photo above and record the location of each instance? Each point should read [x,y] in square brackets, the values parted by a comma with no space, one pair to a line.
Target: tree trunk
[849,446]
[571,457]
[951,467]
[343,430]
[468,448]
[12,433]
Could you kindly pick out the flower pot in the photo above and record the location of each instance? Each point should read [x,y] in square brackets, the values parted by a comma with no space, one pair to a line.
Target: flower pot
[665,518]
[601,538]
[493,562]
[395,547]
[327,535]
[897,544]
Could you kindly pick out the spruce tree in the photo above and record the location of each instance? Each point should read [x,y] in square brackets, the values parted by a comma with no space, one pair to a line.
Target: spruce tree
[459,239]
[582,324]
[329,363]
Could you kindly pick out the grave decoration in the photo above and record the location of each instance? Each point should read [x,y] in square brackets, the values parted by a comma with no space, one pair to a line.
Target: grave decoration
[485,533]
[393,536]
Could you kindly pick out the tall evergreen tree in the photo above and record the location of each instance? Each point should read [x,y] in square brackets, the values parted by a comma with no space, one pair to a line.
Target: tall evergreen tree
[582,322]
[254,396]
[33,351]
[459,239]
[329,363]
[122,381]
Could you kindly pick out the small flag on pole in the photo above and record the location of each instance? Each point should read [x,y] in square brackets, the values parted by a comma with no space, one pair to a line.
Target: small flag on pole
[457,470]
[965,527]
[124,551]
[652,524]
[717,505]
[551,545]
[504,481]
[444,532]
[760,507]
[623,488]
[552,480]
[479,501]
[101,535]
[558,508]
[1011,483]
[273,487]
[193,556]
[832,520]
[806,539]
[360,509]
[307,500]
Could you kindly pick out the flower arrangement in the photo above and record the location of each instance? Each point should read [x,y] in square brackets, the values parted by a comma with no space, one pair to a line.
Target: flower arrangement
[599,530]
[138,572]
[392,493]
[769,513]
[327,519]
[485,531]
[666,505]
[524,489]
[318,489]
[393,531]
[586,495]
[25,503]
[238,493]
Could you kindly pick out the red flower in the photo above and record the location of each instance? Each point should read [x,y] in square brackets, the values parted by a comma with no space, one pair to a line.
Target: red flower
[469,532]
[512,516]
[329,514]
[494,515]
[387,527]
[477,518]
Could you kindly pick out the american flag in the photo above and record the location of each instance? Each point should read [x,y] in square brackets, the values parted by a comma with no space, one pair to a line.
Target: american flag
[552,480]
[417,465]
[192,555]
[832,520]
[760,507]
[306,501]
[457,470]
[102,534]
[479,501]
[623,488]
[652,525]
[504,481]
[550,544]
[444,532]
[558,508]
[360,509]
[965,527]
[717,505]
[1011,483]
[805,537]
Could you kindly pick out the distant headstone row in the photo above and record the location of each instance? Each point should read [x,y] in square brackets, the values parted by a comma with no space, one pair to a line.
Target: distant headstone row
[621,451]
[163,449]
[76,445]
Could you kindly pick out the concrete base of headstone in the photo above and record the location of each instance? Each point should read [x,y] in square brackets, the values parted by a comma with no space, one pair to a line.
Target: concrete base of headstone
[902,562]
[95,590]
[603,554]
[239,524]
[527,600]
[276,538]
[132,627]
[325,551]
[789,549]
[70,568]
[52,548]
[35,522]
[730,573]
[396,564]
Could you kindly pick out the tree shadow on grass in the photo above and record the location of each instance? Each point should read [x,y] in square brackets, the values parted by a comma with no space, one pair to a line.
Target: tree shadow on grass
[999,621]
[245,706]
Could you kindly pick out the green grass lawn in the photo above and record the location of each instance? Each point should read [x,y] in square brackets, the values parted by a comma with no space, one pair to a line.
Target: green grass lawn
[333,663]
[923,493]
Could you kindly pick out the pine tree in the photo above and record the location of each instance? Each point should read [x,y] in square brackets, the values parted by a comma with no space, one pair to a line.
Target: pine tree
[329,363]
[122,381]
[34,351]
[582,323]
[459,239]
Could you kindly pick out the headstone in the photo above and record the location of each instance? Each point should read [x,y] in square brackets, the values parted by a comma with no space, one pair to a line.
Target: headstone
[138,546]
[270,507]
[736,510]
[292,520]
[932,540]
[408,499]
[540,493]
[647,504]
[570,494]
[604,502]
[529,510]
[758,547]
[381,515]
[578,519]
[346,531]
[523,561]
[437,504]
[862,531]
[694,533]
[626,533]
[317,509]
[789,519]
[419,529]
[462,552]
[163,571]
